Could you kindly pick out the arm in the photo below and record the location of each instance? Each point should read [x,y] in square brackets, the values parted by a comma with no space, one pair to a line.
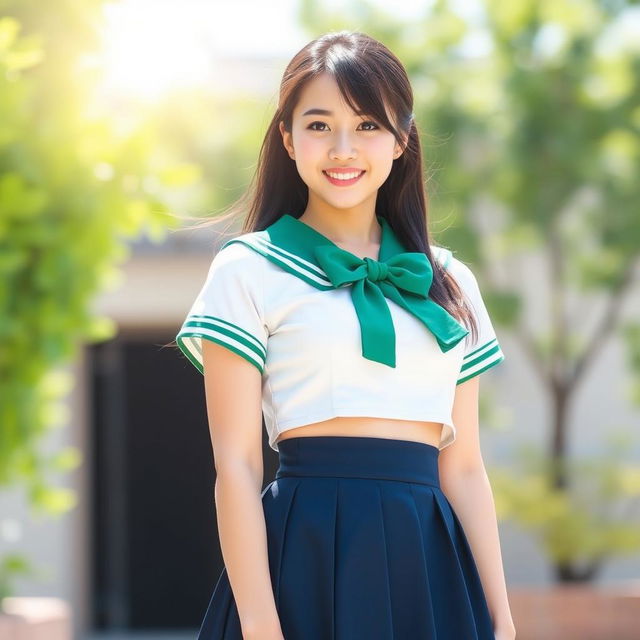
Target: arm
[233,395]
[464,481]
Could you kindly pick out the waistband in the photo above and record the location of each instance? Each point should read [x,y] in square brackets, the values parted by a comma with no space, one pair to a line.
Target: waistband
[358,457]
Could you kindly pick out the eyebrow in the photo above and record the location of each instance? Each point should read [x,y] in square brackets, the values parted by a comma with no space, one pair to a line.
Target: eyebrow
[324,112]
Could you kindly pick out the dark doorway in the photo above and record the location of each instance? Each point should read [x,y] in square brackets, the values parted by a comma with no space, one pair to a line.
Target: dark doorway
[156,555]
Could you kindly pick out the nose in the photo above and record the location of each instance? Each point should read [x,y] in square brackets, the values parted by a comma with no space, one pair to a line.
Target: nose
[343,146]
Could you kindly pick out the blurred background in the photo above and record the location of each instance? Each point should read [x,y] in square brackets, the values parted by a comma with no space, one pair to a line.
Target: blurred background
[121,123]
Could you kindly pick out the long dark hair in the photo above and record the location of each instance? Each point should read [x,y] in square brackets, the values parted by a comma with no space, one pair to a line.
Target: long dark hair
[369,77]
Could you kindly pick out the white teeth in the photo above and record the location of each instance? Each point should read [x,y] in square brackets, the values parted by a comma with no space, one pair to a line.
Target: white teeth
[344,176]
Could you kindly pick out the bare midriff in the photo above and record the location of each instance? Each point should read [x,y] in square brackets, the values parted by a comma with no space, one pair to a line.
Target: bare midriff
[426,432]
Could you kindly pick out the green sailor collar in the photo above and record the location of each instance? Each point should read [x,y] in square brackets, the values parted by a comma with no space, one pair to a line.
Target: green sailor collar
[399,275]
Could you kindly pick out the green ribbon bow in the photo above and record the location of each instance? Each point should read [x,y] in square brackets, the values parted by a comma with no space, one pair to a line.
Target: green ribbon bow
[404,278]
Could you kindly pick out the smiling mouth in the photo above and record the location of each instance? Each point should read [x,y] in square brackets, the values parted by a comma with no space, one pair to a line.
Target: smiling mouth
[343,179]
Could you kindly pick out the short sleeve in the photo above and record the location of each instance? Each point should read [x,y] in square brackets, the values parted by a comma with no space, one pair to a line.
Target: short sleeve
[485,352]
[228,310]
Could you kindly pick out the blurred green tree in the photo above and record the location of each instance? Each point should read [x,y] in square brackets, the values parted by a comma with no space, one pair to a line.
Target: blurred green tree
[73,190]
[531,110]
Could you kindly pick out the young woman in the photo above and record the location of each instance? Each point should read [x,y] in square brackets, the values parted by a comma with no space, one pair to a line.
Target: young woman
[333,317]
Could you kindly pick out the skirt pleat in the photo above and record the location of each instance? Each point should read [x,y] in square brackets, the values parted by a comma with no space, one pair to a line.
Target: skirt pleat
[362,544]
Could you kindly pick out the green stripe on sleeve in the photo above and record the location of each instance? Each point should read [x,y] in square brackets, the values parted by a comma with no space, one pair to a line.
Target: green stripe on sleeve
[222,332]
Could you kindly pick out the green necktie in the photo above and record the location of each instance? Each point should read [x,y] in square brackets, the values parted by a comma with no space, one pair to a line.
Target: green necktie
[404,278]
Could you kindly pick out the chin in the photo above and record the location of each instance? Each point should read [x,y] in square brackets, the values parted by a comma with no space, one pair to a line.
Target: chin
[346,204]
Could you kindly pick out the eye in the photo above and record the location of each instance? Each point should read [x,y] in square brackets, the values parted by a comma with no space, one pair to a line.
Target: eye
[323,124]
[311,126]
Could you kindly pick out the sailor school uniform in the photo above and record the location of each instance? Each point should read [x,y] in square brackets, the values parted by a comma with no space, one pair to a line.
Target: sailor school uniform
[333,334]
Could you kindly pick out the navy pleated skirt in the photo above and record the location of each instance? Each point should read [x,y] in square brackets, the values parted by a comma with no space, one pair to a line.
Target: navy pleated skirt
[363,545]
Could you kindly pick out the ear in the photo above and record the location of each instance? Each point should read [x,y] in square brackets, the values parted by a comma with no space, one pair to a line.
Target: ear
[286,140]
[398,150]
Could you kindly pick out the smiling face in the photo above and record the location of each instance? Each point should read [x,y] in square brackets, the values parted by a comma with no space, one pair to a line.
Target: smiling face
[341,156]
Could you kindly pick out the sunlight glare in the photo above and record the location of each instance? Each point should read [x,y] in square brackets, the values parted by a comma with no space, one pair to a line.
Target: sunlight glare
[153,47]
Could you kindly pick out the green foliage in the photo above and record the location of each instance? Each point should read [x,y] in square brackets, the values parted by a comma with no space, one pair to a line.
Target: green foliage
[75,187]
[12,566]
[631,331]
[597,517]
[67,204]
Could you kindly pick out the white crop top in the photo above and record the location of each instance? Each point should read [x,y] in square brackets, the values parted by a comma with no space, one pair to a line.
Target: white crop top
[336,335]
